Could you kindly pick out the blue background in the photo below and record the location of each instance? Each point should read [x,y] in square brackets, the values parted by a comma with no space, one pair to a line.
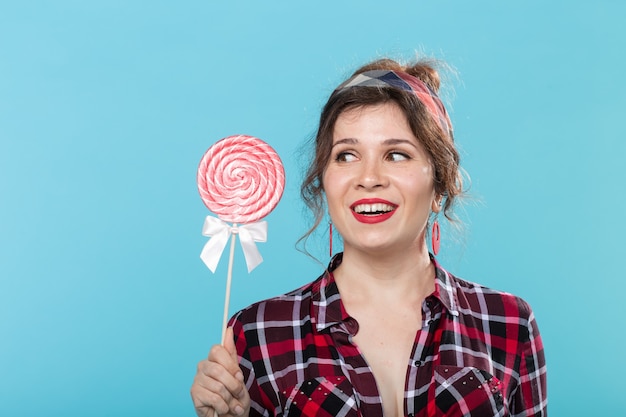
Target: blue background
[106,108]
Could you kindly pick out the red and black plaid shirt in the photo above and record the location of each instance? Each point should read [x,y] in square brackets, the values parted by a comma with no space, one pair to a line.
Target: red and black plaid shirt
[479,353]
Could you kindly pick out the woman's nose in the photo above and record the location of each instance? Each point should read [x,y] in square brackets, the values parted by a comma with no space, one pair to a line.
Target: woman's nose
[371,175]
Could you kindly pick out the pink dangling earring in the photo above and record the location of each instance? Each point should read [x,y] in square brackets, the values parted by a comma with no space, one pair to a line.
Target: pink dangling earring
[330,237]
[435,237]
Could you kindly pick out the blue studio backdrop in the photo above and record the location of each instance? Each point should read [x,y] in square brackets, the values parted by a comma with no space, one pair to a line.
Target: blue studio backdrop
[106,108]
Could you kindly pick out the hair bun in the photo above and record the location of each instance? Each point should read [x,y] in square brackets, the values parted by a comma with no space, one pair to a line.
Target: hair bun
[426,72]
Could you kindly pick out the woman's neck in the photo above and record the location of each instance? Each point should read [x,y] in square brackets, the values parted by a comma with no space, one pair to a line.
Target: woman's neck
[367,277]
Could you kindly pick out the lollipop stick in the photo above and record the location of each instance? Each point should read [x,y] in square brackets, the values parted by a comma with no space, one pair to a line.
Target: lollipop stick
[229,280]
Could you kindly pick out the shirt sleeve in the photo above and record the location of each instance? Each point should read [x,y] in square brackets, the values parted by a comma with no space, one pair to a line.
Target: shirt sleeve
[257,397]
[530,397]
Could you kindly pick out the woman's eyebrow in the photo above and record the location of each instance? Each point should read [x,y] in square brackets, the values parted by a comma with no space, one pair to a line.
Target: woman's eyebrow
[386,142]
[346,141]
[398,142]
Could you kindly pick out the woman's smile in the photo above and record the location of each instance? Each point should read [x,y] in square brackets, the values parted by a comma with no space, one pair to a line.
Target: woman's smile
[373,210]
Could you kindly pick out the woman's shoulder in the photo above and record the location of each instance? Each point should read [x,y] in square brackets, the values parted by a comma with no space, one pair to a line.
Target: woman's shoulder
[285,308]
[478,299]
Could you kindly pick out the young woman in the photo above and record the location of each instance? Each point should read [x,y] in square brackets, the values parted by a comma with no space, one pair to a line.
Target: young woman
[385,331]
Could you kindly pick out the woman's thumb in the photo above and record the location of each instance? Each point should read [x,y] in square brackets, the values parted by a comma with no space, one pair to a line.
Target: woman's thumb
[229,343]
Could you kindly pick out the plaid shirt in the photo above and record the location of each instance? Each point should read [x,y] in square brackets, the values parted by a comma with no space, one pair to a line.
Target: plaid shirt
[479,353]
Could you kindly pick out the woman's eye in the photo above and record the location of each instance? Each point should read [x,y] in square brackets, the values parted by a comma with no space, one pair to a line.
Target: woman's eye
[345,157]
[397,156]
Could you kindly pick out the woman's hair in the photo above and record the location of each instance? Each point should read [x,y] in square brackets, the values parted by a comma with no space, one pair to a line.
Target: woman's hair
[438,145]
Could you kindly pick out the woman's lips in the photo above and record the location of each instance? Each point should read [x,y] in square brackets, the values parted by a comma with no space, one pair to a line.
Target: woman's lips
[372,210]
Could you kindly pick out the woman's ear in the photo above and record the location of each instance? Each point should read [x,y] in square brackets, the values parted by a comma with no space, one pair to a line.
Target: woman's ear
[437,204]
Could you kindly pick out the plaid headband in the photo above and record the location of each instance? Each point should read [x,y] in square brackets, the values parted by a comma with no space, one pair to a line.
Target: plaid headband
[406,82]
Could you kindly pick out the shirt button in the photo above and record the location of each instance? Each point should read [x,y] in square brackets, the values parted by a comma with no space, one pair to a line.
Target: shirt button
[352,326]
[418,363]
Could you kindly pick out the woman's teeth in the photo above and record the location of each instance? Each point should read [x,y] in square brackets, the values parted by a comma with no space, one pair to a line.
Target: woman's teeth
[373,208]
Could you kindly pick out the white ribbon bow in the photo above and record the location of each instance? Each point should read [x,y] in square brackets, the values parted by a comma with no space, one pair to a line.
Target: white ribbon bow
[219,232]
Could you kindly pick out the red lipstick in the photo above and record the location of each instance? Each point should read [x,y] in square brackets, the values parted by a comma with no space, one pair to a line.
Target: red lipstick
[372,210]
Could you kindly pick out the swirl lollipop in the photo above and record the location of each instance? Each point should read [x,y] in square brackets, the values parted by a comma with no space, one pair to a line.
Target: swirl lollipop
[241,179]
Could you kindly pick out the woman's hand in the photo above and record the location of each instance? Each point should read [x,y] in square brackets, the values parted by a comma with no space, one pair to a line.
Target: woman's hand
[218,387]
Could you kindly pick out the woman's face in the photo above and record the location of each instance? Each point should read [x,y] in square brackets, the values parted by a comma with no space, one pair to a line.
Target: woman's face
[378,181]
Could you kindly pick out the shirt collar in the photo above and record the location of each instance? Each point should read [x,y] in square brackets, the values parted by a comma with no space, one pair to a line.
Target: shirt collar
[328,310]
[445,288]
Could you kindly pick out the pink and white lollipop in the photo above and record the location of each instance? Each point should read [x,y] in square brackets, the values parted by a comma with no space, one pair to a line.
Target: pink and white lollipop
[241,179]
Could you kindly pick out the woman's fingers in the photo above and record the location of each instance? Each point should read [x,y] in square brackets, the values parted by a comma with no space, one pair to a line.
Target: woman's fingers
[210,393]
[218,385]
[207,401]
[217,378]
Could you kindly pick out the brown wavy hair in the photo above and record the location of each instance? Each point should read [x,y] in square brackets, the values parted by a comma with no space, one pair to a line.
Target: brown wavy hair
[438,145]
